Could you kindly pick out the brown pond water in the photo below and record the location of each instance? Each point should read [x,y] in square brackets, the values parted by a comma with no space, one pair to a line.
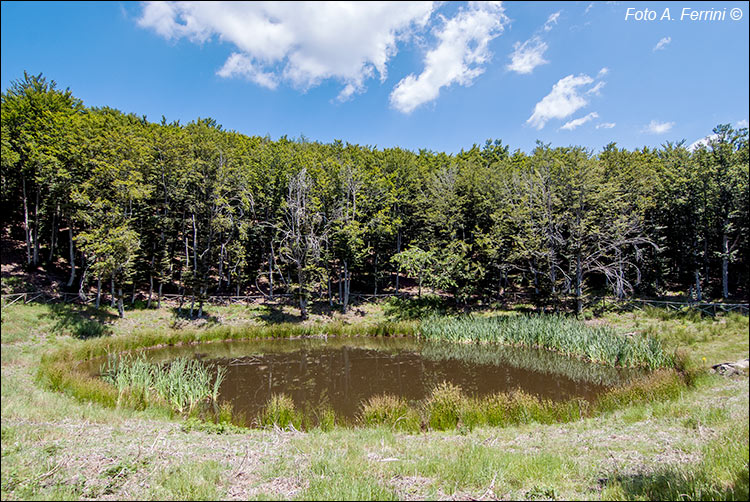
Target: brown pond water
[342,373]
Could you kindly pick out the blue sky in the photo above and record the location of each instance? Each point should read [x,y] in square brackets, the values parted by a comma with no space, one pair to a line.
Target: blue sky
[440,76]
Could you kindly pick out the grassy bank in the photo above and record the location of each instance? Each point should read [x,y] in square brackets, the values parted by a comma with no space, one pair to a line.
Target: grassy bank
[56,446]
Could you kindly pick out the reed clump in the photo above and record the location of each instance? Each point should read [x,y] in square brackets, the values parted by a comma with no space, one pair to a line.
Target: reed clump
[569,336]
[444,406]
[392,411]
[182,384]
[280,411]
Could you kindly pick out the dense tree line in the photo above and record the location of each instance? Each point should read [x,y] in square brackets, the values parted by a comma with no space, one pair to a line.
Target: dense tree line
[129,205]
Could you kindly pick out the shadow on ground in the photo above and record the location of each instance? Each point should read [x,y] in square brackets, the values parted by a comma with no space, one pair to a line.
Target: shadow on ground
[671,483]
[81,321]
[183,313]
[274,313]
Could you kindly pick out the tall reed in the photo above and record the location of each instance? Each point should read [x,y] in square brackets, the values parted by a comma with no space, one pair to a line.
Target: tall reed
[182,384]
[566,335]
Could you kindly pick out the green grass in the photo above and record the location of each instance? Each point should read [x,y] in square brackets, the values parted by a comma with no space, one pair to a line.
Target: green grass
[189,481]
[721,474]
[706,340]
[562,334]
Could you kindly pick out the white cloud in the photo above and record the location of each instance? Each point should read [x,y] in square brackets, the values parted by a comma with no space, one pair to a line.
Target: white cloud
[569,126]
[552,19]
[588,8]
[301,43]
[596,88]
[564,100]
[527,55]
[602,72]
[703,142]
[458,57]
[655,127]
[662,43]
[741,124]
[606,125]
[241,65]
[530,54]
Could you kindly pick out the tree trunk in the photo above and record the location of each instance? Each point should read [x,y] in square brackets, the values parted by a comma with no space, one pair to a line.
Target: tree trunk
[53,237]
[158,301]
[98,291]
[221,265]
[345,300]
[698,293]
[113,301]
[150,289]
[341,284]
[26,226]
[579,281]
[330,289]
[725,266]
[376,275]
[270,274]
[120,306]
[302,293]
[398,250]
[35,260]
[72,257]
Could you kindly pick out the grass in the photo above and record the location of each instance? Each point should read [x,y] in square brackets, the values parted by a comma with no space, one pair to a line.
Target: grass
[721,474]
[57,447]
[569,336]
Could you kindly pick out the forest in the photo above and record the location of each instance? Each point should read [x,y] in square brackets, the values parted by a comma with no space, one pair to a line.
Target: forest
[128,206]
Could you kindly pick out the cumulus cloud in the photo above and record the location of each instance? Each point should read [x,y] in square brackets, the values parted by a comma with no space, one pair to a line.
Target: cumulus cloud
[299,43]
[569,126]
[662,43]
[458,58]
[527,55]
[566,98]
[655,127]
[741,124]
[606,125]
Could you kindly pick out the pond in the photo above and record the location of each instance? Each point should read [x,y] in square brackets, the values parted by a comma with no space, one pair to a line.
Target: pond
[342,373]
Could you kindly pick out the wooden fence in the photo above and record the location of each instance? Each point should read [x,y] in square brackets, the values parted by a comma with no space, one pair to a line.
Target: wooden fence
[706,307]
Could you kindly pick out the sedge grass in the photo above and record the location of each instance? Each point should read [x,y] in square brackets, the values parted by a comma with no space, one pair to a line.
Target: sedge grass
[281,412]
[392,411]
